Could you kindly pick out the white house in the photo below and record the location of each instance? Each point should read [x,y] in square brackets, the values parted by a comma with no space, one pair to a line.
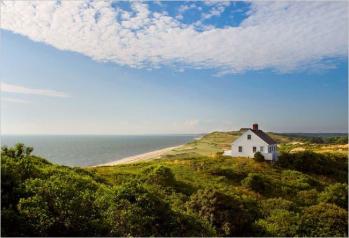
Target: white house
[252,141]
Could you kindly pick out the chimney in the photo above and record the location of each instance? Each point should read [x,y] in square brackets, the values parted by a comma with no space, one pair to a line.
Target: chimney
[255,127]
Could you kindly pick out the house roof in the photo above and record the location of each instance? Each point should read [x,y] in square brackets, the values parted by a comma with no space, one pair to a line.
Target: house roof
[264,136]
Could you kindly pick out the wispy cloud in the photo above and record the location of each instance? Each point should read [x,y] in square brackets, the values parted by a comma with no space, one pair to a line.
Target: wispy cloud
[278,35]
[11,88]
[14,100]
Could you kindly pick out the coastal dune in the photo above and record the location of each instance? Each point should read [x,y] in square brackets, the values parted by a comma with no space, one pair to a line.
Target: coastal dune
[140,157]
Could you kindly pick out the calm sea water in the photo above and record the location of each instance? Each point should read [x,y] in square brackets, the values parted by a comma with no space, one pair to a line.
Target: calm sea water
[73,150]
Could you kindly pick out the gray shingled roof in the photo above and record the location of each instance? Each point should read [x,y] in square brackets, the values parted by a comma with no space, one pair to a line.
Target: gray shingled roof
[264,137]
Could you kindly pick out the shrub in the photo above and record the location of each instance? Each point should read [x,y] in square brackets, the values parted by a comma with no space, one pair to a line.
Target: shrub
[230,174]
[324,220]
[268,205]
[258,157]
[256,182]
[315,163]
[296,180]
[279,223]
[307,197]
[335,193]
[59,205]
[19,151]
[223,212]
[138,212]
[159,175]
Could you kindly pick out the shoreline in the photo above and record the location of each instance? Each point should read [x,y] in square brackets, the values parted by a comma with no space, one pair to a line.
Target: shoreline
[155,154]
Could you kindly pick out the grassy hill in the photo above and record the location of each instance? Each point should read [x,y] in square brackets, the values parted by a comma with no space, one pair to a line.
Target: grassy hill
[191,191]
[216,142]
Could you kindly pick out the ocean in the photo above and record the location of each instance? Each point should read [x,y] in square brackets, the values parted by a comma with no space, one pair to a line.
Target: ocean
[87,150]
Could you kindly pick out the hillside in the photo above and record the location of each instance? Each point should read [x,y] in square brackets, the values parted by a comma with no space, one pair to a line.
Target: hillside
[216,142]
[192,191]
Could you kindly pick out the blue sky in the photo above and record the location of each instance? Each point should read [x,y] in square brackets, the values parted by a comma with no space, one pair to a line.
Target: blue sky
[173,67]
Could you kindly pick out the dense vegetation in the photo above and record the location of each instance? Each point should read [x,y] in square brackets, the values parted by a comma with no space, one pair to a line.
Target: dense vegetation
[194,191]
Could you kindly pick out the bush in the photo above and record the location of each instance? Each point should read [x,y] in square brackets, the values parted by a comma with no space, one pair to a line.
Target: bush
[223,212]
[324,219]
[279,223]
[256,182]
[314,163]
[296,180]
[307,197]
[19,151]
[230,174]
[268,205]
[138,212]
[59,205]
[335,193]
[258,157]
[159,175]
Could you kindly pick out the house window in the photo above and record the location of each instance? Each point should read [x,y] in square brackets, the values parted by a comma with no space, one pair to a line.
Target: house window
[269,149]
[248,137]
[240,148]
[254,149]
[261,148]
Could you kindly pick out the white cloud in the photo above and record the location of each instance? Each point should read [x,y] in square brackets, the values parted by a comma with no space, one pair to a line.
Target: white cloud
[11,88]
[283,36]
[14,100]
[217,9]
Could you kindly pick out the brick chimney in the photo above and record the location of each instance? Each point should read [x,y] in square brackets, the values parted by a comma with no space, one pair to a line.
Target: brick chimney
[255,127]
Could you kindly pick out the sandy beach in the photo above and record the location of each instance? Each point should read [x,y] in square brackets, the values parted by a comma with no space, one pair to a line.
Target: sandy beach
[141,157]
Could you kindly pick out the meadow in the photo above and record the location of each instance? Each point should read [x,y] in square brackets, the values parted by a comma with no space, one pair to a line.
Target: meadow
[191,191]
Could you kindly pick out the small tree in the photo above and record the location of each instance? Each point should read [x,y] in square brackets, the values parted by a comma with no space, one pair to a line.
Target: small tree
[258,157]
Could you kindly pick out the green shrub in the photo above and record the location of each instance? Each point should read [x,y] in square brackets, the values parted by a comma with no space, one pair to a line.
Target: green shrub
[159,175]
[315,163]
[138,212]
[279,223]
[325,220]
[258,157]
[335,193]
[268,205]
[223,212]
[19,151]
[307,197]
[59,205]
[296,180]
[256,182]
[230,174]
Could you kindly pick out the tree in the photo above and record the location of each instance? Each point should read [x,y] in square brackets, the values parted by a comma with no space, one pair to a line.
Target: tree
[324,219]
[226,214]
[335,193]
[258,157]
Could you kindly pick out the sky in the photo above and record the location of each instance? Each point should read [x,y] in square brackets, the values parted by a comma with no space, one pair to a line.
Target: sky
[109,67]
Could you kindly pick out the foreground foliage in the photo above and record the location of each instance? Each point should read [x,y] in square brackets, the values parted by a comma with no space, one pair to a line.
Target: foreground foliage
[304,194]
